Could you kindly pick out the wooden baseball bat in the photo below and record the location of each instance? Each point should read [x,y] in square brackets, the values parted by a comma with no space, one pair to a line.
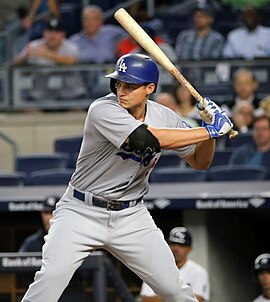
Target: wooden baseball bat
[136,31]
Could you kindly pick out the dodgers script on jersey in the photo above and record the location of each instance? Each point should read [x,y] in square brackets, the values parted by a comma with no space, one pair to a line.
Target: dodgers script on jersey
[110,168]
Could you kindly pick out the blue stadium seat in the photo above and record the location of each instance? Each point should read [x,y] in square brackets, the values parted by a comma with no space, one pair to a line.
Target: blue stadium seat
[241,139]
[168,159]
[52,177]
[221,157]
[236,173]
[40,161]
[71,146]
[12,179]
[176,175]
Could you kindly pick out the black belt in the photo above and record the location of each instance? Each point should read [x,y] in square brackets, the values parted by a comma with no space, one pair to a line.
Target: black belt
[112,205]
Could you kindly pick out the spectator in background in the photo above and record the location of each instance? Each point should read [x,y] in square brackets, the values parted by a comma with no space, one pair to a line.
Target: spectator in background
[262,271]
[168,100]
[37,16]
[264,106]
[128,45]
[249,41]
[51,50]
[34,242]
[256,153]
[201,42]
[192,273]
[243,116]
[187,106]
[97,42]
[245,87]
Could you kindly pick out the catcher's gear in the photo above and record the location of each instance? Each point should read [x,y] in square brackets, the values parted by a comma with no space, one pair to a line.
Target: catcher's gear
[134,69]
[143,140]
[206,109]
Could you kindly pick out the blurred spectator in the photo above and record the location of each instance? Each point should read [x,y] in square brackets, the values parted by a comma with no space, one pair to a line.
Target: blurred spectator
[243,116]
[128,45]
[168,100]
[187,106]
[193,274]
[97,42]
[245,87]
[201,42]
[256,153]
[249,41]
[34,242]
[264,106]
[240,4]
[262,271]
[37,16]
[52,49]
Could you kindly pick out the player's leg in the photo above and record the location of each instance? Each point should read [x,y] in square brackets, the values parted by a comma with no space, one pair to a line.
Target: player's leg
[67,245]
[139,244]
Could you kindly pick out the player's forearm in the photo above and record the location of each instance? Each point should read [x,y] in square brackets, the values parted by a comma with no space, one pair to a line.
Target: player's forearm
[203,155]
[172,138]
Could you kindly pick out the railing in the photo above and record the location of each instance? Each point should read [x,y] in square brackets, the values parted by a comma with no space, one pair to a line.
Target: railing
[76,86]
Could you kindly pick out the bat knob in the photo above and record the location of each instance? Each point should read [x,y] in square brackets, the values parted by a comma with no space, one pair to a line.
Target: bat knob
[232,134]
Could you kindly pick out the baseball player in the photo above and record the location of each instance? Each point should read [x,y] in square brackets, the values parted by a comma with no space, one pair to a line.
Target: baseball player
[103,208]
[262,270]
[192,273]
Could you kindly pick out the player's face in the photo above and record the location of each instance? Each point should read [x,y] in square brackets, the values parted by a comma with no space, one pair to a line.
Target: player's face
[45,217]
[264,279]
[180,252]
[132,96]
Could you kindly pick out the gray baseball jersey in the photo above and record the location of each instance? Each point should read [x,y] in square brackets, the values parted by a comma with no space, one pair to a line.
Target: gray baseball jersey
[261,298]
[106,165]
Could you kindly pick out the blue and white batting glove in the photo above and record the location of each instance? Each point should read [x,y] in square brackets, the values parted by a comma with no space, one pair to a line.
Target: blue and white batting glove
[207,109]
[220,125]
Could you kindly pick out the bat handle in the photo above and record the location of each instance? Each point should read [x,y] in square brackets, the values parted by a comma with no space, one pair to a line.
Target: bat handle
[232,134]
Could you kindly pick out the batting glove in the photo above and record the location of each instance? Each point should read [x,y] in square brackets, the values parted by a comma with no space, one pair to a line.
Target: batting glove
[220,125]
[207,109]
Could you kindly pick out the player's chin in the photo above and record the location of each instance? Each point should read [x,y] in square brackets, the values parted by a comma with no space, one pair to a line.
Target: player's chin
[124,104]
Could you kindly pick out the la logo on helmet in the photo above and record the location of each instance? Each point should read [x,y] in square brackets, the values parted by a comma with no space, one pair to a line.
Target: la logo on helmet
[122,66]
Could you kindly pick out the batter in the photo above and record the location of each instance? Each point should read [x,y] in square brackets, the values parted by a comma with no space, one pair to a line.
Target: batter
[103,207]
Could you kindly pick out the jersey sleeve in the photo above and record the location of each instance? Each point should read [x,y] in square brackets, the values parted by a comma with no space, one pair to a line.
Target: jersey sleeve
[113,121]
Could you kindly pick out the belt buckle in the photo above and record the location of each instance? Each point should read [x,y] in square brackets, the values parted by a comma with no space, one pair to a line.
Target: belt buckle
[114,205]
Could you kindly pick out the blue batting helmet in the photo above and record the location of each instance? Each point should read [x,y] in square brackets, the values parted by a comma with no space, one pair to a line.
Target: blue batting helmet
[134,69]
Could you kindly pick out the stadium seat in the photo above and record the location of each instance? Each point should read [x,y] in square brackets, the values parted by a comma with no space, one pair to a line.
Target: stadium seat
[242,138]
[71,146]
[52,177]
[176,175]
[12,179]
[221,157]
[168,159]
[34,162]
[236,173]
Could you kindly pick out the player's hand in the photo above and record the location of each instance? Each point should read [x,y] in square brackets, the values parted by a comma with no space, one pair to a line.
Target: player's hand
[220,125]
[207,109]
